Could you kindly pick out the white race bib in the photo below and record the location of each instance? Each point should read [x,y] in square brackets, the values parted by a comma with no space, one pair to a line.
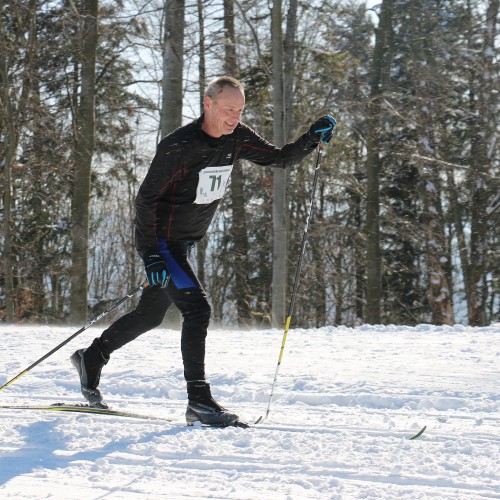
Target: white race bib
[212,184]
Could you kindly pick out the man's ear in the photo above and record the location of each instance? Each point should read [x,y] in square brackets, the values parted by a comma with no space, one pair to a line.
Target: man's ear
[207,102]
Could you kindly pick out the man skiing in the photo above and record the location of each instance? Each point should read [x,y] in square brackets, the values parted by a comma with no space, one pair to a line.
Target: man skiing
[174,208]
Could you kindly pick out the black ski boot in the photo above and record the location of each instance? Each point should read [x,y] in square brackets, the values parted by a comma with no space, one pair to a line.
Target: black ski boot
[203,408]
[89,362]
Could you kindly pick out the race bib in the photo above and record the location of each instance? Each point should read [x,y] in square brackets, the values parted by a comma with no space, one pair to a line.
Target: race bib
[212,184]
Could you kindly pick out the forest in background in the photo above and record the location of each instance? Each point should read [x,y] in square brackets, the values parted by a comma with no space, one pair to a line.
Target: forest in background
[405,228]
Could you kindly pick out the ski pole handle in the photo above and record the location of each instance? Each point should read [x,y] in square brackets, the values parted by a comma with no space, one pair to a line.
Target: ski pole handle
[327,132]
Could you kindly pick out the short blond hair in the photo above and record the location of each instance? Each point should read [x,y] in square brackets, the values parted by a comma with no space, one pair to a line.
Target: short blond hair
[216,86]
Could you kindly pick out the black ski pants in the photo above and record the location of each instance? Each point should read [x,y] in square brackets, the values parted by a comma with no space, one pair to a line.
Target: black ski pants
[186,292]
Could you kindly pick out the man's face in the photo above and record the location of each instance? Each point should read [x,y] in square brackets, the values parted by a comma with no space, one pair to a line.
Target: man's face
[223,112]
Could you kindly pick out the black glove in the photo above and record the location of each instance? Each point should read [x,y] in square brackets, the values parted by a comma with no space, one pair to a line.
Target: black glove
[156,270]
[322,129]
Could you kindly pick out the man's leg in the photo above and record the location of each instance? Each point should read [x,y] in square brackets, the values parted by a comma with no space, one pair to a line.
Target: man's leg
[89,362]
[149,313]
[188,295]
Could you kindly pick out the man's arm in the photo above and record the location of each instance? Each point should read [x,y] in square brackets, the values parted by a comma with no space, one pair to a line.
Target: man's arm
[165,169]
[256,149]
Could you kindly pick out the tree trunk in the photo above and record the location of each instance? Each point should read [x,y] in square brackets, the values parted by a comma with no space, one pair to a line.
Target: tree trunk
[373,166]
[7,125]
[84,148]
[10,113]
[280,216]
[439,294]
[230,66]
[457,214]
[8,128]
[201,247]
[317,245]
[171,110]
[289,66]
[484,137]
[173,63]
[237,193]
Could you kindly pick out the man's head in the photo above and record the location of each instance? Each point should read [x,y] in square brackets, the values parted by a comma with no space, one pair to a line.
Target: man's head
[223,104]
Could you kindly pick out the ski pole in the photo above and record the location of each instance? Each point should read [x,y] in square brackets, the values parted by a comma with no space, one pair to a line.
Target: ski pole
[88,325]
[296,277]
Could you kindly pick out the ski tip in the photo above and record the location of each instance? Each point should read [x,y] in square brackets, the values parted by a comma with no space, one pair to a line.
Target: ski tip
[95,406]
[241,424]
[258,420]
[419,433]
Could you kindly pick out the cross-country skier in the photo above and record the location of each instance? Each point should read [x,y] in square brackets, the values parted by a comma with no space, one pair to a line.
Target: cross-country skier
[174,208]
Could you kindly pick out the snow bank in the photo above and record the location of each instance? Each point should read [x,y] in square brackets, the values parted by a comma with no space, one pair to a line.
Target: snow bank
[345,404]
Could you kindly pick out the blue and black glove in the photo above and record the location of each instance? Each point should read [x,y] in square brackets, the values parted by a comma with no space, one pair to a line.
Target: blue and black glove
[322,129]
[156,270]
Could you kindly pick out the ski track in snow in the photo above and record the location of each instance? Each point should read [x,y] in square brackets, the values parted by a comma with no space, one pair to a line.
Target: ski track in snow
[346,402]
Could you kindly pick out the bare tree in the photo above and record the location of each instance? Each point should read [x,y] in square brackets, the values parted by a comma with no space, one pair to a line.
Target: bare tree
[173,64]
[14,100]
[280,216]
[237,193]
[201,247]
[84,129]
[379,70]
[483,145]
[7,121]
[439,290]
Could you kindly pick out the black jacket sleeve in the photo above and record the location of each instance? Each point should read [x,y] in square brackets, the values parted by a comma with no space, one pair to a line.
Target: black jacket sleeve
[165,169]
[257,150]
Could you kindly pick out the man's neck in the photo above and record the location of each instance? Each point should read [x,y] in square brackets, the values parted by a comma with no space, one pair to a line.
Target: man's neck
[207,130]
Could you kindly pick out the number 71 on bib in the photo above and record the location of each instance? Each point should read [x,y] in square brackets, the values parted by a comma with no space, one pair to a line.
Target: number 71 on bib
[212,183]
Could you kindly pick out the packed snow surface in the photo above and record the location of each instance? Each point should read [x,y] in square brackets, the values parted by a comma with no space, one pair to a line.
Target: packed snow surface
[346,402]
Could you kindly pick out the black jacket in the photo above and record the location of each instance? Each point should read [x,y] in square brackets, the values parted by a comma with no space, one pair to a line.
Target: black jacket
[182,189]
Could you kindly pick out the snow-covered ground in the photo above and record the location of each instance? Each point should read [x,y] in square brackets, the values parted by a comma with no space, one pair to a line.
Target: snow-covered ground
[346,402]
